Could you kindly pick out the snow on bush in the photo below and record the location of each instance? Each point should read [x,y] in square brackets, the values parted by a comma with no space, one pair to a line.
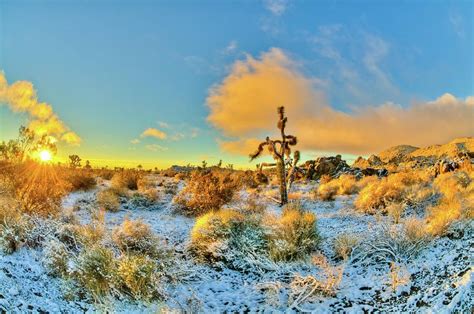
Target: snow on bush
[136,236]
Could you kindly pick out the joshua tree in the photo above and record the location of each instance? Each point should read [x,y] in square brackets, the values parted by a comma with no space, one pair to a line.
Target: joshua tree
[74,161]
[281,152]
[88,165]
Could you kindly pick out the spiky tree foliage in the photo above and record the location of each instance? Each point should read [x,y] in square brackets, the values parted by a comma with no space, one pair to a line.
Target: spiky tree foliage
[281,152]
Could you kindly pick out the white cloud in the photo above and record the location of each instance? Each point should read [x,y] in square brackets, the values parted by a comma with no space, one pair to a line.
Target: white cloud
[276,7]
[156,147]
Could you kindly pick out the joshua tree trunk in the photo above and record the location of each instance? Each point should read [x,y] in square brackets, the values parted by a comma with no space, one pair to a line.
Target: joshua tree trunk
[281,173]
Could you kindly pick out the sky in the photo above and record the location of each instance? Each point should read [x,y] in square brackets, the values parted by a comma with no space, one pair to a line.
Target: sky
[158,83]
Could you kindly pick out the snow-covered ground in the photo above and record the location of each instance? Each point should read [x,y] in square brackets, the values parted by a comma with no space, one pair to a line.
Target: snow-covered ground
[440,277]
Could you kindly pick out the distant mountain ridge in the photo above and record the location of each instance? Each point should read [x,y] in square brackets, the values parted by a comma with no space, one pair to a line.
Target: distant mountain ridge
[455,148]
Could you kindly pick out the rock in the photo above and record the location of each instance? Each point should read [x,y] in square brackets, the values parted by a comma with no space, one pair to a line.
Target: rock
[331,166]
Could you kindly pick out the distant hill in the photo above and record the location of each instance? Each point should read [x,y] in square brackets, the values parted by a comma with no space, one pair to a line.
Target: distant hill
[406,153]
[396,153]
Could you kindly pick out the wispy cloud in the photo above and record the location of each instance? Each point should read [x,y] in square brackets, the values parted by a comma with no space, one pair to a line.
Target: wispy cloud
[457,23]
[345,48]
[276,7]
[135,141]
[156,148]
[152,132]
[230,48]
[21,97]
[243,108]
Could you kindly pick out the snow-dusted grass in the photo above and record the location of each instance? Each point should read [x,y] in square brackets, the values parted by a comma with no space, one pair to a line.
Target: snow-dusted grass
[437,276]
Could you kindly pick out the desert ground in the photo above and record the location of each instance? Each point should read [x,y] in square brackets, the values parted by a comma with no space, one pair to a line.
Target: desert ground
[391,233]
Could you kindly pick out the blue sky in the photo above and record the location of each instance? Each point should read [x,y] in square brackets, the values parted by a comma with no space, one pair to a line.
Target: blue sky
[111,69]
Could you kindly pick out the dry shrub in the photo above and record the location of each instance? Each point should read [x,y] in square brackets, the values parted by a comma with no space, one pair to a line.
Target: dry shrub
[138,277]
[109,199]
[344,245]
[127,179]
[13,227]
[96,270]
[399,275]
[456,202]
[405,187]
[294,234]
[137,236]
[344,185]
[56,258]
[206,191]
[325,178]
[253,206]
[106,174]
[81,180]
[325,283]
[395,243]
[228,237]
[395,210]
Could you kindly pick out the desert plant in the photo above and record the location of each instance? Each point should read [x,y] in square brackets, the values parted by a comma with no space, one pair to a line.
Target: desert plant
[456,201]
[281,155]
[138,276]
[344,185]
[294,234]
[56,258]
[96,270]
[410,188]
[344,245]
[137,236]
[205,191]
[325,282]
[228,237]
[13,228]
[127,179]
[108,199]
[81,180]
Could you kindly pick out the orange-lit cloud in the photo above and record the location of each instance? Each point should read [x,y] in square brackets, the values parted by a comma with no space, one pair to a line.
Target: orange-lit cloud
[244,105]
[21,97]
[152,132]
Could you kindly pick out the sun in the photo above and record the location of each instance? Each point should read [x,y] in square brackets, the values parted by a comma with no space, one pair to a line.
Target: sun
[45,155]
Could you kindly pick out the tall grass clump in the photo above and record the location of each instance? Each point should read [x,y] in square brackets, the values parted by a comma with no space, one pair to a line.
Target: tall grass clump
[294,235]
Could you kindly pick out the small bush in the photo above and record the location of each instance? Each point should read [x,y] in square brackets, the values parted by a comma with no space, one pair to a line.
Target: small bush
[405,187]
[96,270]
[127,179]
[136,236]
[456,201]
[228,237]
[323,283]
[344,185]
[206,191]
[344,244]
[138,277]
[56,258]
[294,235]
[81,180]
[108,200]
[13,230]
